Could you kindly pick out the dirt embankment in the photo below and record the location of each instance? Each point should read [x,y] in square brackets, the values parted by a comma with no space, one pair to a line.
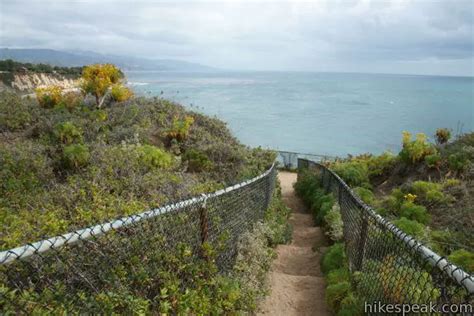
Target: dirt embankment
[297,283]
[25,83]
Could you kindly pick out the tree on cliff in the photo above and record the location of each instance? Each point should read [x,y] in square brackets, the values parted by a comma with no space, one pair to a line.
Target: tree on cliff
[100,80]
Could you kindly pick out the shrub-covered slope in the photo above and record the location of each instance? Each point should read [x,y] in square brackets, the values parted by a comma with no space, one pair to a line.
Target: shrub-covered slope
[72,166]
[427,190]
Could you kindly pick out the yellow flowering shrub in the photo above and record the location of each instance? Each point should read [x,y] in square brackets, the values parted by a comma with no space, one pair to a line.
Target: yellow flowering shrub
[121,93]
[49,97]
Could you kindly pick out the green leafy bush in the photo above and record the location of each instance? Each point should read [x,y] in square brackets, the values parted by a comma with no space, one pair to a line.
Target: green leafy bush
[433,160]
[335,294]
[180,128]
[71,101]
[414,212]
[120,93]
[334,258]
[334,223]
[459,162]
[153,157]
[411,227]
[428,192]
[463,259]
[351,305]
[354,173]
[75,156]
[365,194]
[197,161]
[338,275]
[414,151]
[381,164]
[15,114]
[67,133]
[49,97]
[276,218]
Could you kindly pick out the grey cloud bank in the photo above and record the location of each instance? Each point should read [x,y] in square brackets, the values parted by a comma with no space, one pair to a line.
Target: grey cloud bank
[398,36]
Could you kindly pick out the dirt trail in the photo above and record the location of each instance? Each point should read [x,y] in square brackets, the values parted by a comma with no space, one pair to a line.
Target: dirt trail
[297,284]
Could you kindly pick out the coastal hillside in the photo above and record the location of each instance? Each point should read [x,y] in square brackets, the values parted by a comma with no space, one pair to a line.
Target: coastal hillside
[67,168]
[69,163]
[426,190]
[423,194]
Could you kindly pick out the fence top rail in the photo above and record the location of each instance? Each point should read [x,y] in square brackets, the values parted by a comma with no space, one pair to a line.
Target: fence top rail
[307,154]
[456,273]
[25,251]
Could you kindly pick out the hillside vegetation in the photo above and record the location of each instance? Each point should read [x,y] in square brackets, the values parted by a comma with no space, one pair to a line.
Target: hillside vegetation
[426,191]
[15,66]
[67,164]
[70,160]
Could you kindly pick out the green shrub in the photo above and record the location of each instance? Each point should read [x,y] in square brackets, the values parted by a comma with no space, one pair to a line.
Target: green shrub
[321,205]
[366,195]
[335,294]
[351,305]
[442,135]
[428,192]
[440,241]
[180,128]
[463,259]
[414,151]
[414,212]
[120,93]
[433,160]
[253,261]
[450,182]
[334,223]
[25,167]
[334,258]
[410,227]
[67,133]
[379,165]
[338,275]
[354,173]
[15,114]
[75,156]
[153,157]
[276,218]
[197,161]
[459,162]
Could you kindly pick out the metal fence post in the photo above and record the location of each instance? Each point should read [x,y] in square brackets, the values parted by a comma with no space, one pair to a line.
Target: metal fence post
[203,222]
[268,190]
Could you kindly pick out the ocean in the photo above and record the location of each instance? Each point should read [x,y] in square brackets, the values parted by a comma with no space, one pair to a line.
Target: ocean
[322,113]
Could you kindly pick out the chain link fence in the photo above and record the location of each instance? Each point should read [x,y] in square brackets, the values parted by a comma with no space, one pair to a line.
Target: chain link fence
[122,254]
[388,265]
[289,159]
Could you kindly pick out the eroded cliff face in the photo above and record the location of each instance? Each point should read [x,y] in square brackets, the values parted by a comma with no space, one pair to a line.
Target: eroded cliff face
[28,82]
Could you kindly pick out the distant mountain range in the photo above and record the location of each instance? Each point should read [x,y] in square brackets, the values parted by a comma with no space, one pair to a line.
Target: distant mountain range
[70,59]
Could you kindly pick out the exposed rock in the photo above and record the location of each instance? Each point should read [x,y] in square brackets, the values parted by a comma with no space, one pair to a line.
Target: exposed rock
[28,82]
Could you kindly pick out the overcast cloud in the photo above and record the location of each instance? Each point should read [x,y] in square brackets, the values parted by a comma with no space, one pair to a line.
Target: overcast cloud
[398,36]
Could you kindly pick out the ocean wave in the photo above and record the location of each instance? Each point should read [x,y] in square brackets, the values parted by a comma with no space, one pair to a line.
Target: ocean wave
[137,83]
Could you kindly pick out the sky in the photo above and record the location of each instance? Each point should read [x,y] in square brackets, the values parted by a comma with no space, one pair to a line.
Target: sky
[381,36]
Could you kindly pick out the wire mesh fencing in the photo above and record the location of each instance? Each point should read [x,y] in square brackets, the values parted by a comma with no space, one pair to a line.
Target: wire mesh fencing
[388,265]
[127,255]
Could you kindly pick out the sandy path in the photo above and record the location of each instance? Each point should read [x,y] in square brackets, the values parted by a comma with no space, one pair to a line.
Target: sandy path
[297,284]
